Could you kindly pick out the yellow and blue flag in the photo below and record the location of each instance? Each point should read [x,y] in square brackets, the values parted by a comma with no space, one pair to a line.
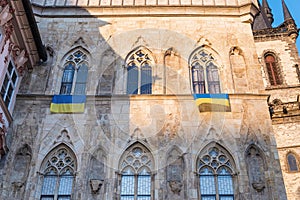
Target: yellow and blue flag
[212,102]
[68,103]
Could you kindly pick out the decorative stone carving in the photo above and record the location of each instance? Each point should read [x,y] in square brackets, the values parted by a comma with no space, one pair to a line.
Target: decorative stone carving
[3,147]
[96,185]
[238,67]
[175,168]
[5,14]
[176,186]
[170,129]
[63,137]
[96,170]
[256,168]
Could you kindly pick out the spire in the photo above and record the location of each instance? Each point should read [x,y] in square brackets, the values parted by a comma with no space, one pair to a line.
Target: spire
[268,11]
[261,21]
[286,13]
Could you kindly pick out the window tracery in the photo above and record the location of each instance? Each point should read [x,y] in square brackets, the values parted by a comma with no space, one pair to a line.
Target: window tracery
[58,175]
[204,73]
[75,74]
[139,72]
[215,169]
[136,165]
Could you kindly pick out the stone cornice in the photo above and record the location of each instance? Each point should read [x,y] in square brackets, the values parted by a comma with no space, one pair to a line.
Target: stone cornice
[287,28]
[246,12]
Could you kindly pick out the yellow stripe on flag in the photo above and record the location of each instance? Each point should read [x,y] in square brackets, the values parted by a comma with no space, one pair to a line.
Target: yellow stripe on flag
[67,108]
[223,102]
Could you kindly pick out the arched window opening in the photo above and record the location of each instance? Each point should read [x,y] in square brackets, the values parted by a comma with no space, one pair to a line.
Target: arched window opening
[136,165]
[273,70]
[58,175]
[215,171]
[204,73]
[139,72]
[292,162]
[75,74]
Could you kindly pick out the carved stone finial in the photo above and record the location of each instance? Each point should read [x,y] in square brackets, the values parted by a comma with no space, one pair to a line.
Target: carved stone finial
[96,185]
[175,186]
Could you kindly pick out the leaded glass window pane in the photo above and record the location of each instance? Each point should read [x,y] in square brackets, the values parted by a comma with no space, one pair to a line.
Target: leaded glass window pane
[146,79]
[65,185]
[67,79]
[139,72]
[144,185]
[226,198]
[143,197]
[207,182]
[75,74]
[204,73]
[47,198]
[58,178]
[213,78]
[198,79]
[64,197]
[127,197]
[215,173]
[136,178]
[132,79]
[127,185]
[81,79]
[208,197]
[49,185]
[225,184]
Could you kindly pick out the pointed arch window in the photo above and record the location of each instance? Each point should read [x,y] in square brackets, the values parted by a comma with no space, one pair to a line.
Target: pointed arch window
[273,70]
[136,165]
[75,74]
[215,171]
[58,175]
[204,73]
[139,72]
[292,162]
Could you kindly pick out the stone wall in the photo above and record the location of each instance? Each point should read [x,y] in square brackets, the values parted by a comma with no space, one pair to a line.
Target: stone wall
[167,124]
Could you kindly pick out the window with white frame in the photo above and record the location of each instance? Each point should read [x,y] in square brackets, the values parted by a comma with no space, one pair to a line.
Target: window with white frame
[75,74]
[215,171]
[204,73]
[58,174]
[9,85]
[136,165]
[139,72]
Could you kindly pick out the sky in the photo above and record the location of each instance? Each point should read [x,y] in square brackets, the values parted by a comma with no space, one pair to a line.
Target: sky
[293,6]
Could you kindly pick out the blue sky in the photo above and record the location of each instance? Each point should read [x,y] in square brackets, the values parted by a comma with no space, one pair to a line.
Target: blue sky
[293,6]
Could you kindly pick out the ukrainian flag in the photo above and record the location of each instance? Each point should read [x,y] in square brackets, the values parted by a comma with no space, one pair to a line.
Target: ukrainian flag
[68,103]
[212,102]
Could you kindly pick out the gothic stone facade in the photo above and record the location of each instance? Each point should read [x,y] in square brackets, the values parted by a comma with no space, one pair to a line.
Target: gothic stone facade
[159,141]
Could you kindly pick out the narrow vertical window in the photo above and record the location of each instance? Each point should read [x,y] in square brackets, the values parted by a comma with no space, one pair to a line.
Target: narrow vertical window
[292,163]
[273,70]
[67,79]
[58,175]
[75,74]
[215,174]
[9,85]
[204,73]
[82,74]
[136,167]
[139,72]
